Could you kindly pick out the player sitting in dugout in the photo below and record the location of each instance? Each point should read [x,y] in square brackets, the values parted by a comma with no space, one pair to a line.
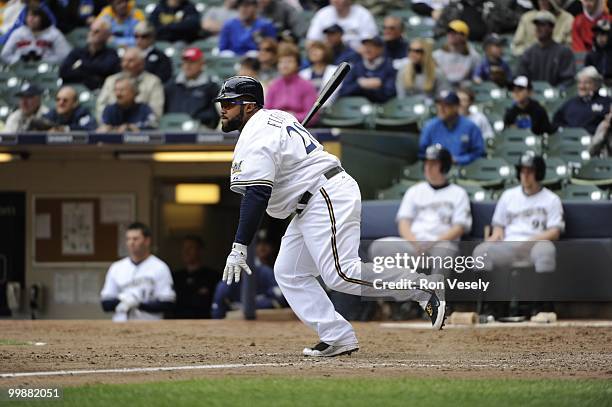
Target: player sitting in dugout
[139,286]
[227,297]
[528,213]
[432,216]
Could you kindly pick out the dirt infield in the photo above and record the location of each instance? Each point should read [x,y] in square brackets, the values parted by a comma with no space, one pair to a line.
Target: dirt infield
[548,352]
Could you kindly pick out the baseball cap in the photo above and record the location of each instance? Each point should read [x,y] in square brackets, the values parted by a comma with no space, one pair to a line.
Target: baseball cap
[192,54]
[494,39]
[521,82]
[376,40]
[447,97]
[459,26]
[544,16]
[602,26]
[334,28]
[29,89]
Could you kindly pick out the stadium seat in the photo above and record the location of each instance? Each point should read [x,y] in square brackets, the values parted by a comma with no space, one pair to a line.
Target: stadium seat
[221,68]
[573,192]
[87,98]
[396,191]
[169,48]
[596,171]
[49,82]
[78,37]
[518,136]
[569,150]
[210,45]
[413,172]
[512,151]
[486,172]
[400,113]
[178,121]
[557,172]
[351,111]
[477,193]
[577,134]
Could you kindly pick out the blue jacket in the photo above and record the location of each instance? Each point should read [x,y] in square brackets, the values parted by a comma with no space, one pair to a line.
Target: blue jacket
[384,71]
[240,39]
[79,120]
[91,70]
[483,71]
[585,113]
[463,141]
[139,114]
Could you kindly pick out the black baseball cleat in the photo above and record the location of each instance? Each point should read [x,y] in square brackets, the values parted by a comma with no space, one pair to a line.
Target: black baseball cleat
[323,349]
[436,311]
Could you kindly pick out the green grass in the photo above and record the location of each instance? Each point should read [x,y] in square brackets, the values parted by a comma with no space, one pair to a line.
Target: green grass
[274,391]
[12,342]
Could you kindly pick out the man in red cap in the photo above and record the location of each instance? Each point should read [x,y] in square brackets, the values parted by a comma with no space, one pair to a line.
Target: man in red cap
[192,91]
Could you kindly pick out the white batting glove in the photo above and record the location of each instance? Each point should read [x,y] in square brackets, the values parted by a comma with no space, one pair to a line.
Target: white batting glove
[236,262]
[128,300]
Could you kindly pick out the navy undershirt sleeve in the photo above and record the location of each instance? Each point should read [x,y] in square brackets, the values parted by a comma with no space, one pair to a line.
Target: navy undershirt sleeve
[110,304]
[156,306]
[253,205]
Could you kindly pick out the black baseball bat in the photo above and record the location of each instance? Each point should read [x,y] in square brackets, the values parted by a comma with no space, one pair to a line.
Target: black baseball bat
[328,89]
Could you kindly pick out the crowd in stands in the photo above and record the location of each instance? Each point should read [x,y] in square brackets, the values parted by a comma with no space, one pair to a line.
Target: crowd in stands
[166,58]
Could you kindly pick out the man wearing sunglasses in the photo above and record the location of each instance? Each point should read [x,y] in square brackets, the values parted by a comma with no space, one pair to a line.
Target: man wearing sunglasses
[68,115]
[280,168]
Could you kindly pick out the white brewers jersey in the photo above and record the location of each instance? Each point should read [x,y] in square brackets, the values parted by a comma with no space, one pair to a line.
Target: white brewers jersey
[149,280]
[524,216]
[433,212]
[275,150]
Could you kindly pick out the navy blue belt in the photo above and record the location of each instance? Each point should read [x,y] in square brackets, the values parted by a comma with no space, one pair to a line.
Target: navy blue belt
[307,195]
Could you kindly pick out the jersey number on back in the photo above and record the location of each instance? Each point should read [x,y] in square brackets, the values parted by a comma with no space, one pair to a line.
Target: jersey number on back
[310,143]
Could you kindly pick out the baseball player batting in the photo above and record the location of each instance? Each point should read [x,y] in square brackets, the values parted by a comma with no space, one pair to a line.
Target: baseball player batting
[279,167]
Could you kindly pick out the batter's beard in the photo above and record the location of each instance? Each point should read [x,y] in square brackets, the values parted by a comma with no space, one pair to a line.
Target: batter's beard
[232,124]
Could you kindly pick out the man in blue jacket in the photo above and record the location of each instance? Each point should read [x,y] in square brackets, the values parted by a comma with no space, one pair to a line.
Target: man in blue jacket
[126,114]
[373,76]
[68,115]
[456,133]
[242,34]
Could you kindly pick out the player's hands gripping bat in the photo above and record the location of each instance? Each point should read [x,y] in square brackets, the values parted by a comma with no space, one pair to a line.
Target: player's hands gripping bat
[328,89]
[236,262]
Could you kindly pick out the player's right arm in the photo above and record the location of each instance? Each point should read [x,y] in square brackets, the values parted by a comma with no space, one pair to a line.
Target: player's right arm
[110,291]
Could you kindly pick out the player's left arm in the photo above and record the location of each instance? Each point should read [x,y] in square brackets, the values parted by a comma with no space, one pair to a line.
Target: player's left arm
[555,223]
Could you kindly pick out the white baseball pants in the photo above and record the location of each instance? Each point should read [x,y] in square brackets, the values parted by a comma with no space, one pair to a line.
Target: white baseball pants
[324,240]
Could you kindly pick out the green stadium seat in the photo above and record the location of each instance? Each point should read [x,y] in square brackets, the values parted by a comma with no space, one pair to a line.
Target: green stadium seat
[577,134]
[596,171]
[478,194]
[209,46]
[513,135]
[351,111]
[78,37]
[557,172]
[572,192]
[87,98]
[396,191]
[486,172]
[400,113]
[221,68]
[48,81]
[169,48]
[512,151]
[178,121]
[413,172]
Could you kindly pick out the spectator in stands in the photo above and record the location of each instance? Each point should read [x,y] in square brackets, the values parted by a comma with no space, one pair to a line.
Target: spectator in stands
[419,75]
[429,8]
[432,216]
[68,14]
[268,60]
[601,143]
[529,215]
[268,295]
[242,34]
[216,16]
[285,17]
[9,15]
[526,112]
[340,51]
[126,114]
[194,283]
[456,133]
[68,115]
[30,107]
[150,88]
[525,35]
[93,63]
[373,76]
[320,69]
[176,20]
[122,15]
[396,46]
[471,12]
[493,67]
[547,60]
[290,92]
[156,62]
[138,287]
[582,28]
[192,92]
[356,21]
[15,15]
[467,109]
[588,108]
[601,55]
[457,59]
[37,40]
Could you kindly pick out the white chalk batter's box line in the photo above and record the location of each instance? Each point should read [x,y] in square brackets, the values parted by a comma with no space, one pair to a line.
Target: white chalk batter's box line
[525,324]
